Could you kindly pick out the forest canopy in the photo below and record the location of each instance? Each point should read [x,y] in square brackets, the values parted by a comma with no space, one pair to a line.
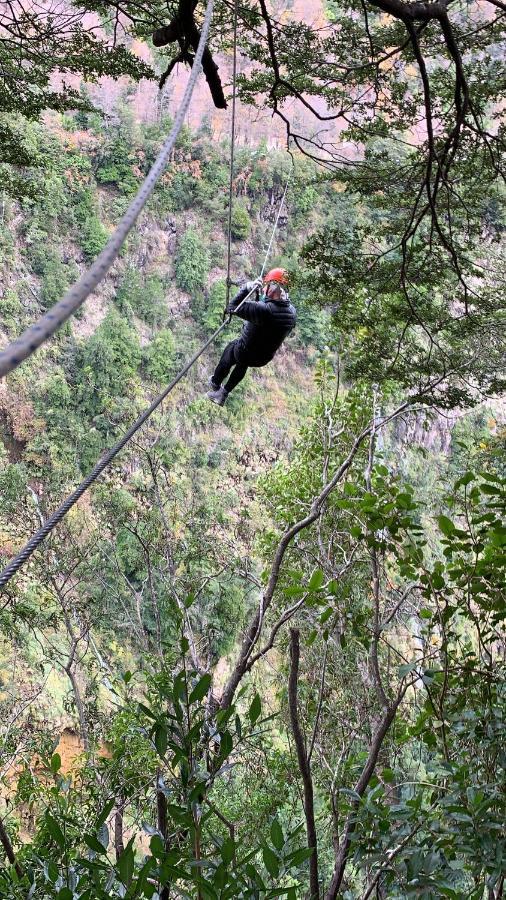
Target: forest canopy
[264,656]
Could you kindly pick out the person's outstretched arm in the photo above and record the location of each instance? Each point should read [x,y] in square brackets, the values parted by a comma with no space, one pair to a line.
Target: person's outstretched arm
[251,310]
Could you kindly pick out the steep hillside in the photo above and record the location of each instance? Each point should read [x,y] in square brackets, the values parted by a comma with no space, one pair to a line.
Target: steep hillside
[65,406]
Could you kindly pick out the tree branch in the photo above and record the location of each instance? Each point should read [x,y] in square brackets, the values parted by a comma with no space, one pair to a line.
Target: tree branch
[360,787]
[304,766]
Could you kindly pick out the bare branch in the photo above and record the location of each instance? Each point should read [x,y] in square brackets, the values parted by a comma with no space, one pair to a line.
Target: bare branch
[303,761]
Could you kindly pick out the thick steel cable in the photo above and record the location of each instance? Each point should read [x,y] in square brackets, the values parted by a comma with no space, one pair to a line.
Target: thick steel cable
[60,513]
[33,337]
[232,150]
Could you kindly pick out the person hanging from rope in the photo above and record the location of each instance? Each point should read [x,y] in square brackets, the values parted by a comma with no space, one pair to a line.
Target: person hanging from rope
[269,320]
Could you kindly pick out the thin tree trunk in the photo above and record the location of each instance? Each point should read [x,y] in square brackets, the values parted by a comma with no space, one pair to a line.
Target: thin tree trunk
[304,766]
[119,844]
[83,727]
[367,772]
[9,849]
[161,813]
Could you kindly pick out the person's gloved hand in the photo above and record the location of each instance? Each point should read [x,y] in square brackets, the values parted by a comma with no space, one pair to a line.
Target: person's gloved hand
[257,285]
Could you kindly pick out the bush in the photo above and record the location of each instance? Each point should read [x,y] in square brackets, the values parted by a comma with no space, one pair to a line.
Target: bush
[192,262]
[12,311]
[92,237]
[107,363]
[55,275]
[241,222]
[145,297]
[208,311]
[13,482]
[160,360]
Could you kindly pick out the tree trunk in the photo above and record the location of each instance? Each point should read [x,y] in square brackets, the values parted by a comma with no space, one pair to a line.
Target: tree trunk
[9,849]
[304,767]
[161,813]
[119,845]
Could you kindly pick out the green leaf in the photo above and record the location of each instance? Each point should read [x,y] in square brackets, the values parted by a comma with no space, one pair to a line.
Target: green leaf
[65,894]
[157,846]
[105,813]
[201,688]
[497,537]
[406,669]
[255,709]
[226,744]
[294,591]
[161,739]
[270,861]
[277,834]
[55,830]
[227,851]
[93,843]
[490,490]
[490,476]
[316,580]
[388,775]
[55,763]
[126,864]
[464,480]
[147,711]
[299,856]
[103,836]
[446,525]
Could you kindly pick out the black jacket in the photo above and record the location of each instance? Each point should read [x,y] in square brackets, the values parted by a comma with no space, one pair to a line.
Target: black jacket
[268,323]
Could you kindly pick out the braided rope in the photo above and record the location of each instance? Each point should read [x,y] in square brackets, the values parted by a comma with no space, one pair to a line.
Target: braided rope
[48,324]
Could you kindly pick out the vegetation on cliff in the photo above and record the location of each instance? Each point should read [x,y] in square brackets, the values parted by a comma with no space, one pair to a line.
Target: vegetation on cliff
[273,634]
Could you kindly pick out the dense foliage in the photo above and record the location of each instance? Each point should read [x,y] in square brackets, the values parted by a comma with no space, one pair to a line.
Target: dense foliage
[264,656]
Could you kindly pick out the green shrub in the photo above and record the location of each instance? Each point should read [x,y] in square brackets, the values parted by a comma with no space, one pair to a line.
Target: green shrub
[208,310]
[54,398]
[118,163]
[152,306]
[160,361]
[241,223]
[13,481]
[12,311]
[107,363]
[92,237]
[55,275]
[143,296]
[192,262]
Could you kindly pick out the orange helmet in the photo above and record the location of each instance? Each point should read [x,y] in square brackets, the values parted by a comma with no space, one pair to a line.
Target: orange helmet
[279,275]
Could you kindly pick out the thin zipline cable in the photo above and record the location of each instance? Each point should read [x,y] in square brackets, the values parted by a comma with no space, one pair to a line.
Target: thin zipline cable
[97,470]
[268,251]
[17,561]
[232,151]
[48,324]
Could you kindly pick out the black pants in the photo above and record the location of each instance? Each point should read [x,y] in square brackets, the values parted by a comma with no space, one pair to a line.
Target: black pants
[231,356]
